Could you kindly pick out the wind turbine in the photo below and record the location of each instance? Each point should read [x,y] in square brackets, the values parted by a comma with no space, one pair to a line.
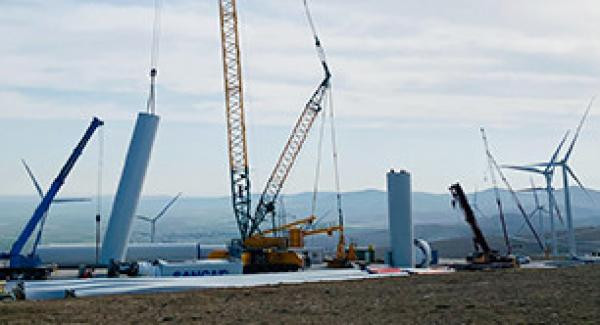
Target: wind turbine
[567,171]
[538,208]
[548,173]
[152,221]
[40,192]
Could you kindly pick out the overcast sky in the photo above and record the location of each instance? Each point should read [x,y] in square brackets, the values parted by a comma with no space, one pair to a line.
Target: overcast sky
[412,83]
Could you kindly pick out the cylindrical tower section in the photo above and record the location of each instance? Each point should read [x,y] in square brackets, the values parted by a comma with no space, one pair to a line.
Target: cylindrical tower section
[400,219]
[116,238]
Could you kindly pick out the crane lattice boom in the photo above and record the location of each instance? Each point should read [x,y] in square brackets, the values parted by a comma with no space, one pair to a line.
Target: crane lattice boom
[286,160]
[236,128]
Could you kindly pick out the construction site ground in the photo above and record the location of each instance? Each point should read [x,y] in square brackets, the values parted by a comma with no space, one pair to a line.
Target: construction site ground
[565,295]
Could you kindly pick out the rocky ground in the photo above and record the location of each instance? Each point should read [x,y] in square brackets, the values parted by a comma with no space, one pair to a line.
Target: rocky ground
[568,295]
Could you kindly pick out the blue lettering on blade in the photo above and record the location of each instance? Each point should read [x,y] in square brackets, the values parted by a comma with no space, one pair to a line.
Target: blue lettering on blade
[200,272]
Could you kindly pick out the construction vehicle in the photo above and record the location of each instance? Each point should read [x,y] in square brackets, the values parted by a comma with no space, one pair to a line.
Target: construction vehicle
[259,253]
[343,258]
[17,265]
[483,257]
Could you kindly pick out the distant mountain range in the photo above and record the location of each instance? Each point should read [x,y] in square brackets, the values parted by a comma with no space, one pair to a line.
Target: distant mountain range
[210,220]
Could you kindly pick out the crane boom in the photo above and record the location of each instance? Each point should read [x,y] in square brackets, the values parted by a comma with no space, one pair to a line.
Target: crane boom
[266,204]
[16,259]
[236,127]
[308,220]
[459,197]
[286,160]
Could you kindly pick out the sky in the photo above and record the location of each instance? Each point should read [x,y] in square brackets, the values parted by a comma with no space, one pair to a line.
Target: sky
[412,83]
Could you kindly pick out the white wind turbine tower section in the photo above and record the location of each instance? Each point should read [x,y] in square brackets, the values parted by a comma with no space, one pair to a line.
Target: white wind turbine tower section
[152,221]
[548,173]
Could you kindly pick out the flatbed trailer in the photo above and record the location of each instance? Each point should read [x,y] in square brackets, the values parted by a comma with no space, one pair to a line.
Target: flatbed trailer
[26,273]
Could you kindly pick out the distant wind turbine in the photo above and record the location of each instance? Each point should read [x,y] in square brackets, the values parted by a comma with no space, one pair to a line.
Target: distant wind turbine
[548,173]
[40,192]
[567,171]
[538,209]
[152,221]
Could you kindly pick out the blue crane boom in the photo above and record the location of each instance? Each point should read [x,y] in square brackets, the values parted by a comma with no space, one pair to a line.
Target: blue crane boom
[18,260]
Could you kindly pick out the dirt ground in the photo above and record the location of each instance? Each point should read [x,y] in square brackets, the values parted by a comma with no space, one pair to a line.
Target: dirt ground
[567,295]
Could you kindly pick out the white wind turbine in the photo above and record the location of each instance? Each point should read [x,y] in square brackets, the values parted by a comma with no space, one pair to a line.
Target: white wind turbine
[152,221]
[566,172]
[548,173]
[38,189]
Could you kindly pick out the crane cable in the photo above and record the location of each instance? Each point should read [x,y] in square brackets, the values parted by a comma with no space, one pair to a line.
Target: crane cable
[490,163]
[151,103]
[329,104]
[335,160]
[99,191]
[318,167]
[319,48]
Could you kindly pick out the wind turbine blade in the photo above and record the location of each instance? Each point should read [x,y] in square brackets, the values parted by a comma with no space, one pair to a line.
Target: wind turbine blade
[144,218]
[556,208]
[532,189]
[555,154]
[38,188]
[524,168]
[580,184]
[160,214]
[585,115]
[72,199]
[480,212]
[535,196]
[545,165]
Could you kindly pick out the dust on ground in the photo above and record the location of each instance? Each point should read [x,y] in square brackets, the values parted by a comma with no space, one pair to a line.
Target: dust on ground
[568,295]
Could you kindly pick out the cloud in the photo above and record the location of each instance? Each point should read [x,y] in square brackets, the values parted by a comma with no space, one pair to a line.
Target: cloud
[427,61]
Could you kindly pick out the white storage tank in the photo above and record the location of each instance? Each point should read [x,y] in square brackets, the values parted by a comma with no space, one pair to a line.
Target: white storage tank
[128,194]
[400,219]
